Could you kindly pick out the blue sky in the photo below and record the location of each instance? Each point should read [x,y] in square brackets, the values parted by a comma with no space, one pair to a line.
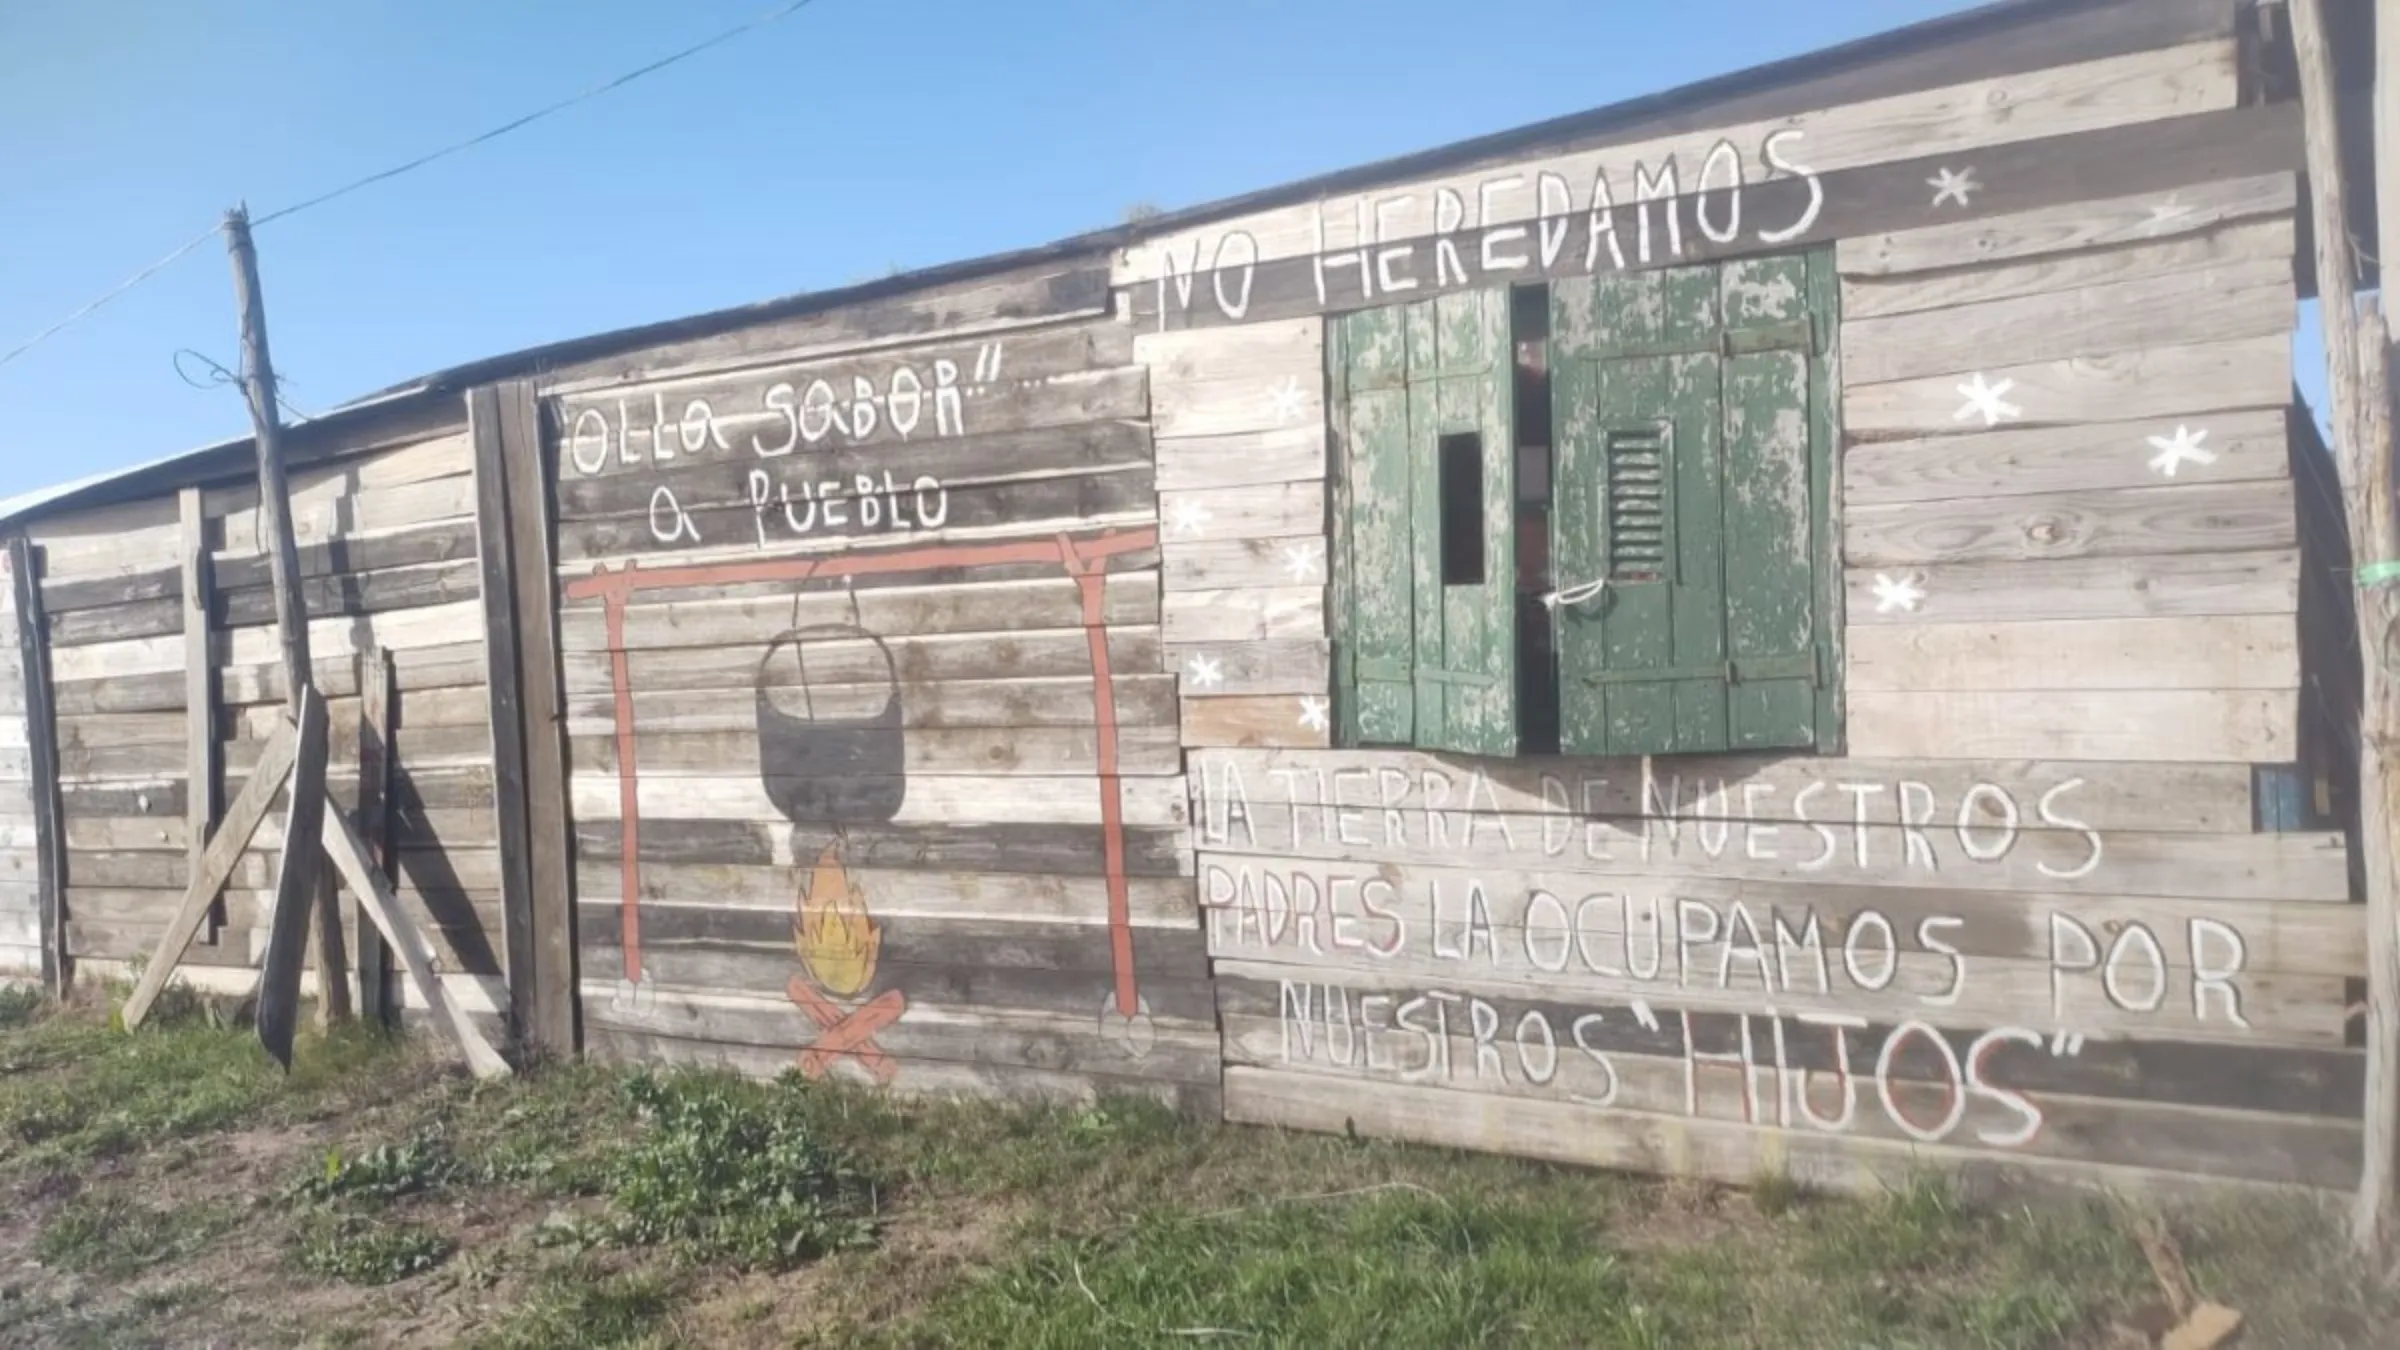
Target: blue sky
[853,138]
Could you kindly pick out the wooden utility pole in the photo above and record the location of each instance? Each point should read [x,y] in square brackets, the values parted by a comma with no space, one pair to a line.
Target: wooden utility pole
[2355,350]
[299,882]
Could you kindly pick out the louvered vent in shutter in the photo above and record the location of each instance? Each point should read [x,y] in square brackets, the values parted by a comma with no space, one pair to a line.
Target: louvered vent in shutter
[1639,513]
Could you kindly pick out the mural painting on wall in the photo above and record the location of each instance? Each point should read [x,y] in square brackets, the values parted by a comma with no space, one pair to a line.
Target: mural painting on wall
[761,447]
[1801,950]
[826,769]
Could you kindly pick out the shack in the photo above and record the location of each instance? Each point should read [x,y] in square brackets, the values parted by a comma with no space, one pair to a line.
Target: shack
[1794,624]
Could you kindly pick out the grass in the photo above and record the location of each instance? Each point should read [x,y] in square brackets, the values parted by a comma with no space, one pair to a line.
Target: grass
[144,1177]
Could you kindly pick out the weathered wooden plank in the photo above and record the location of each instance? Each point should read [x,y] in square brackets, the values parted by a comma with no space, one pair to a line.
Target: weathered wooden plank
[928,753]
[300,895]
[36,731]
[2234,447]
[2078,588]
[2209,518]
[927,661]
[1287,454]
[1141,701]
[491,426]
[1684,937]
[1240,563]
[2190,255]
[930,1077]
[1003,799]
[1253,614]
[783,515]
[900,892]
[1362,785]
[336,514]
[2162,381]
[1266,721]
[2294,1080]
[2246,299]
[923,1033]
[1990,851]
[1280,510]
[906,942]
[1002,607]
[2218,653]
[2242,725]
[1956,119]
[1889,1107]
[423,669]
[1175,990]
[1286,398]
[1729,1151]
[954,464]
[329,637]
[1283,666]
[2081,228]
[1046,292]
[1054,376]
[948,846]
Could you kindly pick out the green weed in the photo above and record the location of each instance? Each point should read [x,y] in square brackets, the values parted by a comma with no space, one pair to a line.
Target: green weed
[364,1251]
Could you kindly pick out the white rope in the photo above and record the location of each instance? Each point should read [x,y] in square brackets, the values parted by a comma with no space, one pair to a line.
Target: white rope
[1569,596]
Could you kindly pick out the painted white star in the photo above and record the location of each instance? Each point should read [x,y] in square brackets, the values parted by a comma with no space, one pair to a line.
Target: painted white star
[1187,519]
[1287,400]
[1985,398]
[1901,593]
[2166,213]
[1316,713]
[1206,672]
[1643,1014]
[1949,185]
[2182,447]
[1300,560]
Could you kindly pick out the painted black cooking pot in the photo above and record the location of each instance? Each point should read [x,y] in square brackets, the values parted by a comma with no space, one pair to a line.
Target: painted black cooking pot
[847,771]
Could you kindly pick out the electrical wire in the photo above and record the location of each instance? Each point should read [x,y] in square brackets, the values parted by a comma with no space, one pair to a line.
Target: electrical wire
[753,24]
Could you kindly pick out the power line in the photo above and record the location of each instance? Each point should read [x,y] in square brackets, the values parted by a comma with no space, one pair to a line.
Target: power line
[756,22]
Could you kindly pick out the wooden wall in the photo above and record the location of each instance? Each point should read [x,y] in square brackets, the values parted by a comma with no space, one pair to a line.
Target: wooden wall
[167,682]
[871,747]
[2029,918]
[20,843]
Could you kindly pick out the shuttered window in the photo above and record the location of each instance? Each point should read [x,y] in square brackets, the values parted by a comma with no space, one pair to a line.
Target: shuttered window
[1426,651]
[1692,417]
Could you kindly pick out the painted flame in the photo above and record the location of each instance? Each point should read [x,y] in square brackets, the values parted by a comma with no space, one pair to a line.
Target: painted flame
[837,940]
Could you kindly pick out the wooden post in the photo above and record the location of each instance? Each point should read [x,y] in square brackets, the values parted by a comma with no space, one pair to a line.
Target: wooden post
[2362,450]
[41,740]
[199,696]
[295,881]
[305,858]
[375,761]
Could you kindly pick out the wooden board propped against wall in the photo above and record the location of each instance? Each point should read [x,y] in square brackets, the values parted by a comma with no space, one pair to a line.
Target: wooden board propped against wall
[512,511]
[41,743]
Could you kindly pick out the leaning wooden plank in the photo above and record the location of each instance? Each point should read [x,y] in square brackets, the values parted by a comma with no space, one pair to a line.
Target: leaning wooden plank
[37,731]
[2231,725]
[2012,462]
[2209,518]
[350,857]
[2162,381]
[199,686]
[2082,228]
[299,875]
[2246,299]
[2265,582]
[216,865]
[2086,96]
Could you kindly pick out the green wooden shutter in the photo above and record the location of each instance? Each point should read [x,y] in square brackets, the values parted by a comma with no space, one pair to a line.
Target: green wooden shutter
[1425,657]
[1692,415]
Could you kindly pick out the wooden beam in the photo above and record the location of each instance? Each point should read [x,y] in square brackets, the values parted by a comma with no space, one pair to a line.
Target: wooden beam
[41,741]
[296,882]
[217,862]
[349,856]
[199,691]
[375,763]
[550,1021]
[485,422]
[2366,471]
